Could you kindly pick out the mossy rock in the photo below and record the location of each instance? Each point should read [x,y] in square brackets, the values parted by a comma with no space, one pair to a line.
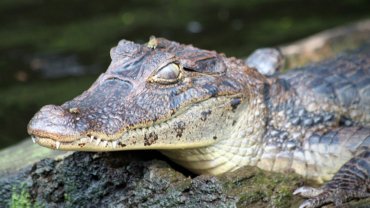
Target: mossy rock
[134,179]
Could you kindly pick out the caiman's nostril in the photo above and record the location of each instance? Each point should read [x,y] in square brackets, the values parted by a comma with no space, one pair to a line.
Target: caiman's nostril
[53,109]
[56,122]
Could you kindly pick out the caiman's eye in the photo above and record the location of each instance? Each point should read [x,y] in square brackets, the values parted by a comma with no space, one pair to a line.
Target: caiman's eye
[168,74]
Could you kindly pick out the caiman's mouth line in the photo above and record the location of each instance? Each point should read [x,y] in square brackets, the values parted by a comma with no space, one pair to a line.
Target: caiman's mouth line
[95,140]
[91,142]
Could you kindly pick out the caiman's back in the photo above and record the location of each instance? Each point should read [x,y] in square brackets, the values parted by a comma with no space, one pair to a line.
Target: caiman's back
[341,85]
[319,113]
[320,120]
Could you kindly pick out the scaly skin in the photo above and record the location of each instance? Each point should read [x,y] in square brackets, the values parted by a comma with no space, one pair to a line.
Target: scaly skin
[213,114]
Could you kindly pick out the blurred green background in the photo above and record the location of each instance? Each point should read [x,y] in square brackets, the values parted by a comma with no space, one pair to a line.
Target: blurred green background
[52,50]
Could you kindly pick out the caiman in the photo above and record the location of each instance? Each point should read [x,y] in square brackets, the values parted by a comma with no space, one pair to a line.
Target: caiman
[213,114]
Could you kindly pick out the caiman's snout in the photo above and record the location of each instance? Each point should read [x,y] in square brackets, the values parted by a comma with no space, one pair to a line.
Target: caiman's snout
[55,123]
[97,113]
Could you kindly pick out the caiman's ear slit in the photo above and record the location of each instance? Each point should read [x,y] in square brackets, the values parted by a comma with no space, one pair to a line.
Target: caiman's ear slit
[169,74]
[153,42]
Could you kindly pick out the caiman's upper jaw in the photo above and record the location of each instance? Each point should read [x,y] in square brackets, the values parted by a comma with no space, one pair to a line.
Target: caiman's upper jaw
[144,137]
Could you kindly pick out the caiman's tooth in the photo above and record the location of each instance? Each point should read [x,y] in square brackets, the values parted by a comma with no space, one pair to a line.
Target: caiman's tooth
[138,132]
[91,139]
[151,129]
[57,144]
[84,139]
[104,143]
[33,139]
[166,125]
[98,140]
[114,144]
[128,134]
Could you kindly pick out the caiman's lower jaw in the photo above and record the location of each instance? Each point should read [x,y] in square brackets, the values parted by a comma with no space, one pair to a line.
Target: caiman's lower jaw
[185,129]
[82,144]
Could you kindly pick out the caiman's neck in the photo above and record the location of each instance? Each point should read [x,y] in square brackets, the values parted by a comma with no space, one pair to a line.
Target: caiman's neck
[292,140]
[245,143]
[241,145]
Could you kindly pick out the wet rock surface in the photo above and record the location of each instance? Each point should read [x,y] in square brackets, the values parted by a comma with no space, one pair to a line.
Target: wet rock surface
[124,179]
[140,179]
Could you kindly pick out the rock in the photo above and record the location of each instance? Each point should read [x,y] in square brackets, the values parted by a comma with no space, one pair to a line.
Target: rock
[136,179]
[326,44]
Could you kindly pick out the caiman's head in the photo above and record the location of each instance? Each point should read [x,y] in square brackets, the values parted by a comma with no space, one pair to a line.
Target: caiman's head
[160,95]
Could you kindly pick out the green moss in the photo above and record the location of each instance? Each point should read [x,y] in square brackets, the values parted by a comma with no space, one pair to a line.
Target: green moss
[282,196]
[21,198]
[256,188]
[252,197]
[69,191]
[67,200]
